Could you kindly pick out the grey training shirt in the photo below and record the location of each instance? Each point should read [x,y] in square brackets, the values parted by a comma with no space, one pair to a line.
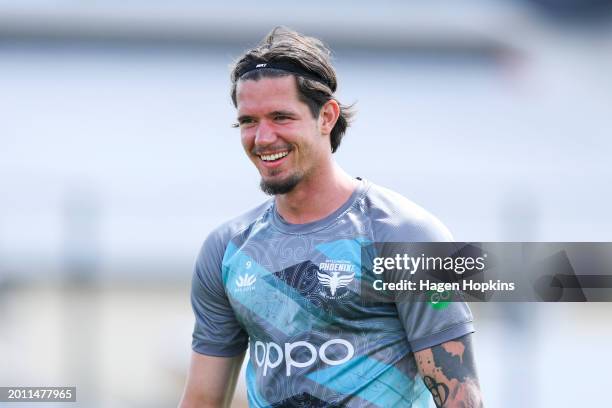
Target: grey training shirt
[291,293]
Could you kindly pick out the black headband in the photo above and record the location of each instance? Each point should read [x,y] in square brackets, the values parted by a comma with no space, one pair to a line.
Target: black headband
[283,66]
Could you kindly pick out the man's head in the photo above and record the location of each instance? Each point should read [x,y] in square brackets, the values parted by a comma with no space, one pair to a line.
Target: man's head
[284,92]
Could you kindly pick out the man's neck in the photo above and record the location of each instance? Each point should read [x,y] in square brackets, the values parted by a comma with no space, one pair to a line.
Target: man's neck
[315,198]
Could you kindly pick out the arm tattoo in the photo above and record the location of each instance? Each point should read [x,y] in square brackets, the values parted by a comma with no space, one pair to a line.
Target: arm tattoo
[449,373]
[439,391]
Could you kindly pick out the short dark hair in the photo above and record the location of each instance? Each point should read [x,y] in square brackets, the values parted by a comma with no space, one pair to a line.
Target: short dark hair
[283,44]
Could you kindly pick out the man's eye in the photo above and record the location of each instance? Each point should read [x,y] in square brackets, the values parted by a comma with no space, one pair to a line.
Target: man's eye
[244,122]
[281,117]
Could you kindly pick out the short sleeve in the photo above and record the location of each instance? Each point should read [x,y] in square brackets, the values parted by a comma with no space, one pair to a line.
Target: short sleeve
[427,326]
[400,220]
[217,331]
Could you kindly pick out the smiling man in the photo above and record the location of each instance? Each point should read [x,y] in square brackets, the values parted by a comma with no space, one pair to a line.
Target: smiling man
[283,279]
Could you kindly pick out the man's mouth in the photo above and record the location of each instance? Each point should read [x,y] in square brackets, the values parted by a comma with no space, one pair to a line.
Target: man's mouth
[273,156]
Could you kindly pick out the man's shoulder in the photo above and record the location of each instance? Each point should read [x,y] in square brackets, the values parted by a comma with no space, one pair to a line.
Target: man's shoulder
[395,217]
[242,222]
[213,249]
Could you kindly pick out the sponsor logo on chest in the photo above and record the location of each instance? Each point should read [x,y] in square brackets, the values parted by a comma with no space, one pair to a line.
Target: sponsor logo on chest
[270,355]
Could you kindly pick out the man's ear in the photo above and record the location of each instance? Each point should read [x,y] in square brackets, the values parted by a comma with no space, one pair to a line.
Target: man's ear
[328,116]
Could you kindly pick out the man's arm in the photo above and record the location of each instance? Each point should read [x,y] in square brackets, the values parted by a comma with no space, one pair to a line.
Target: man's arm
[449,372]
[211,381]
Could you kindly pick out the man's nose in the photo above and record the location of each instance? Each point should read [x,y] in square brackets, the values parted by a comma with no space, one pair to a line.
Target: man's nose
[264,135]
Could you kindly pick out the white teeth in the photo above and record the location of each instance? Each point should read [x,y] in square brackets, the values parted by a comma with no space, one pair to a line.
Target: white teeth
[275,156]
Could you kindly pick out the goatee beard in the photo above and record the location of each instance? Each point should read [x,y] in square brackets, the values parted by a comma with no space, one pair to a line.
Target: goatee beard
[280,187]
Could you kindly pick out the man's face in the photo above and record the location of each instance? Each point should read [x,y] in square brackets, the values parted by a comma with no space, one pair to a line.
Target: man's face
[278,133]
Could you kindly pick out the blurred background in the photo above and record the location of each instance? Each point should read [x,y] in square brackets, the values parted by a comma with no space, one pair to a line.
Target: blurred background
[117,157]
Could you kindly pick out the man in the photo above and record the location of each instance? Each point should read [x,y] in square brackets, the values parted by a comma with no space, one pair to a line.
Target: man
[284,277]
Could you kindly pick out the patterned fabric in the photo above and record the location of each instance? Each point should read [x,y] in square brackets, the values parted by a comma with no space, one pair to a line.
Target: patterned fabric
[291,294]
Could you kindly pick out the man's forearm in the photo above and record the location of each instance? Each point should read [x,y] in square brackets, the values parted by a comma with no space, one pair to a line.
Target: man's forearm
[449,373]
[211,381]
